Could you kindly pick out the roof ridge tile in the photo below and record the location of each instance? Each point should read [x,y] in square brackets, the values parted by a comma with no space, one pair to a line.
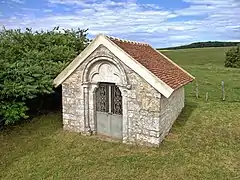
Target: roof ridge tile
[127,41]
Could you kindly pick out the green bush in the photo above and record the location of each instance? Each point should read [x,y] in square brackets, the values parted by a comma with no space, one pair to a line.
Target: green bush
[29,61]
[233,58]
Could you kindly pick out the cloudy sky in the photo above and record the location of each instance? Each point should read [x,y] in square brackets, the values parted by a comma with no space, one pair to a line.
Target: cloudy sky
[161,23]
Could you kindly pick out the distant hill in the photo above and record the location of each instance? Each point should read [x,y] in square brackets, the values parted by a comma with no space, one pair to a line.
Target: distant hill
[203,45]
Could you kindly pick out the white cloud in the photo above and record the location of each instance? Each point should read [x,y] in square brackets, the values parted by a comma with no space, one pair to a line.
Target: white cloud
[18,1]
[215,19]
[15,1]
[180,37]
[47,10]
[211,2]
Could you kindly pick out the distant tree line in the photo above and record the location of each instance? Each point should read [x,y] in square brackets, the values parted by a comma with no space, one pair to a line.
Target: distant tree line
[29,61]
[203,45]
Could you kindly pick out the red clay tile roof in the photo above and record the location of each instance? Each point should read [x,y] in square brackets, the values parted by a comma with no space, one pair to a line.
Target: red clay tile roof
[164,69]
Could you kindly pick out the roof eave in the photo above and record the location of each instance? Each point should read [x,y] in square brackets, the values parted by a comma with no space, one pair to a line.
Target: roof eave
[174,64]
[73,65]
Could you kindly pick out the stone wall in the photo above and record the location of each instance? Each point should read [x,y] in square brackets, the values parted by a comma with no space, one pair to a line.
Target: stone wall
[72,108]
[72,102]
[150,116]
[170,110]
[143,111]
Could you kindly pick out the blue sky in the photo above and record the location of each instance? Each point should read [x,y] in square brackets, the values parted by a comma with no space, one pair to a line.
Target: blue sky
[161,23]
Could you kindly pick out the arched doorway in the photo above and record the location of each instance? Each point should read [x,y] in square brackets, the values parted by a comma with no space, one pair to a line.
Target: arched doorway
[98,72]
[109,114]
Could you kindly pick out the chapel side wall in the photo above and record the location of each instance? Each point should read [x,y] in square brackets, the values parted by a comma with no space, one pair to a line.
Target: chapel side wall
[143,111]
[170,110]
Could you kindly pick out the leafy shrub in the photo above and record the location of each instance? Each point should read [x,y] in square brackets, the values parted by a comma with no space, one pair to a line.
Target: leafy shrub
[233,58]
[29,61]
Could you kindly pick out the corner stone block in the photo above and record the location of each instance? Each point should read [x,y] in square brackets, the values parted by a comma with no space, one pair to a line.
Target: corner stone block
[69,117]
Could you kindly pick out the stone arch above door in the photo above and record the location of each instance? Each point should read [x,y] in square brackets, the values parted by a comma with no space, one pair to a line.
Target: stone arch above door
[105,69]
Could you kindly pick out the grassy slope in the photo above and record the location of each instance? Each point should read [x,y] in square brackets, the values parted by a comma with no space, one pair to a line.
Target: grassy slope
[207,65]
[203,144]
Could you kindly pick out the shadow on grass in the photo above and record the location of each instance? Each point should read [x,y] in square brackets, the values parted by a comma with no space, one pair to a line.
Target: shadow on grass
[190,106]
[44,124]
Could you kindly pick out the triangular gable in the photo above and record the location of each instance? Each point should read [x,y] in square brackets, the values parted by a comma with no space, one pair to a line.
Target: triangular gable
[152,79]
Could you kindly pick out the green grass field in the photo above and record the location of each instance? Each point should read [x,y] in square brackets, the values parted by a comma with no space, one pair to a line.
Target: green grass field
[204,142]
[207,65]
